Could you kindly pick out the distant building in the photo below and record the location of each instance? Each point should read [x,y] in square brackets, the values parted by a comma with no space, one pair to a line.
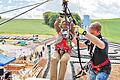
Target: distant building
[86,22]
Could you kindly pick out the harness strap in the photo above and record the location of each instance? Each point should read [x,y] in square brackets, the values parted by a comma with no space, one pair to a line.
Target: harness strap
[63,46]
[97,67]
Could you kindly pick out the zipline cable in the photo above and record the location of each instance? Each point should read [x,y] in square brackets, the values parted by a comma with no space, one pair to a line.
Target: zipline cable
[23,12]
[18,8]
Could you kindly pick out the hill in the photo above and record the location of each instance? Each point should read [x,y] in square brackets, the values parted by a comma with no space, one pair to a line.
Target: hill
[26,26]
[111,28]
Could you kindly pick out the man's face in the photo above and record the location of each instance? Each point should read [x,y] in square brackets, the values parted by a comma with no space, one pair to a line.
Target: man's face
[94,31]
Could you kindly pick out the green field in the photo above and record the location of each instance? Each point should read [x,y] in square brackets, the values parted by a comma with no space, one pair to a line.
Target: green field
[111,28]
[26,26]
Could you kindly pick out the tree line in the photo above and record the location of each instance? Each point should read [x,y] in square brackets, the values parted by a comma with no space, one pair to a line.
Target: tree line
[50,17]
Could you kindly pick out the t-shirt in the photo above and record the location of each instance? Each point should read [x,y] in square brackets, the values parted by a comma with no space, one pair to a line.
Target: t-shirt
[98,55]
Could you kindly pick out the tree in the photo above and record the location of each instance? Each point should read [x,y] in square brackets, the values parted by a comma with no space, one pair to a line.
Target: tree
[52,20]
[50,17]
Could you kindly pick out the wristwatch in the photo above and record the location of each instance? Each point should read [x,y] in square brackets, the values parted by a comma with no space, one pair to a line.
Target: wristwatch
[84,33]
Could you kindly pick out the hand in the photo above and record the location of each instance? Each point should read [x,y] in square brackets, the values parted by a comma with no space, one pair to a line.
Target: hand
[59,19]
[79,30]
[70,19]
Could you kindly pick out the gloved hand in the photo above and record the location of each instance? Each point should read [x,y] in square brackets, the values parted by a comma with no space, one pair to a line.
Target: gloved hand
[59,19]
[70,19]
[80,30]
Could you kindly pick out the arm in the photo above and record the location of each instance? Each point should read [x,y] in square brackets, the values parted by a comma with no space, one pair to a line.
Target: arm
[72,28]
[95,40]
[81,44]
[57,26]
[92,38]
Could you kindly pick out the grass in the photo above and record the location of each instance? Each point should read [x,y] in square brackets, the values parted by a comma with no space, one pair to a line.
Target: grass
[26,26]
[110,28]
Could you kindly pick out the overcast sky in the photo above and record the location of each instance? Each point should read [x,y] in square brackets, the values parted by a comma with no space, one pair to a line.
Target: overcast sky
[94,8]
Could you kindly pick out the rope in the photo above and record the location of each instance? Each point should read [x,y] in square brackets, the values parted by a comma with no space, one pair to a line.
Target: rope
[5,21]
[18,8]
[79,56]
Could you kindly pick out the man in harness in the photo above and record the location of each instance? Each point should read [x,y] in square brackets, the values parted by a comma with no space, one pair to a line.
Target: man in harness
[99,65]
[63,48]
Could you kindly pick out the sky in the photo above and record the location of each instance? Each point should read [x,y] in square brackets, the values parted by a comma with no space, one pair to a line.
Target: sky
[97,9]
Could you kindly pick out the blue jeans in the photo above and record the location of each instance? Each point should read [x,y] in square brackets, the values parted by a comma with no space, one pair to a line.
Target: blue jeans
[97,76]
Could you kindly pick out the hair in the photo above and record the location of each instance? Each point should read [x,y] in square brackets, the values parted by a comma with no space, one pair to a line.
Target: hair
[96,26]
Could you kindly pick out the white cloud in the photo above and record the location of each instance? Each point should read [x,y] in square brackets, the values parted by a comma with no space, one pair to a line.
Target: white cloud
[94,8]
[31,14]
[99,8]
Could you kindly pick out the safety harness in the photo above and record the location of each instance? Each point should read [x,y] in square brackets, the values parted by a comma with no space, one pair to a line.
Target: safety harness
[97,68]
[65,46]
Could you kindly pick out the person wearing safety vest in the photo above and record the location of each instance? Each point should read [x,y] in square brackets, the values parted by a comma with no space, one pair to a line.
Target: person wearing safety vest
[99,65]
[63,48]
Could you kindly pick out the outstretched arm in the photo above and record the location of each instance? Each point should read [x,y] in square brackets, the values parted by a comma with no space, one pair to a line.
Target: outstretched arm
[57,26]
[81,44]
[95,40]
[92,38]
